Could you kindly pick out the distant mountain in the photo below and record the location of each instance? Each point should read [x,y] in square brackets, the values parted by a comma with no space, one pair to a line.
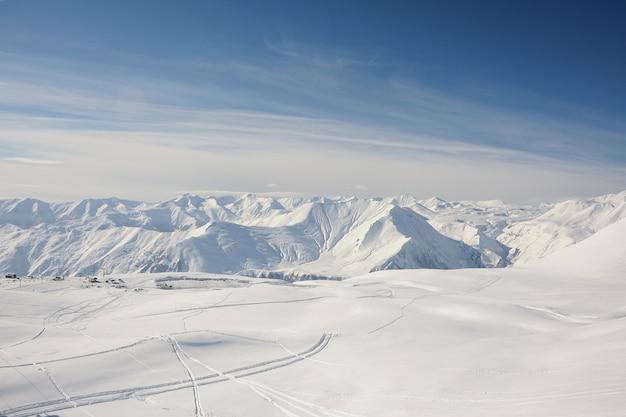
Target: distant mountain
[290,237]
[601,252]
[564,224]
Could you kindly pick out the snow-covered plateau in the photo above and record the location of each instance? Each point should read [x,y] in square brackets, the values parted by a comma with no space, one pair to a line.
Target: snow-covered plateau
[421,323]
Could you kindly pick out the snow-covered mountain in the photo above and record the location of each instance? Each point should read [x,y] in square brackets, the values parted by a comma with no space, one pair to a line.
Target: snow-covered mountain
[288,237]
[563,225]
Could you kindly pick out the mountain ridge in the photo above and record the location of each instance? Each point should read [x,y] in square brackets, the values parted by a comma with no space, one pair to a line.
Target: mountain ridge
[288,237]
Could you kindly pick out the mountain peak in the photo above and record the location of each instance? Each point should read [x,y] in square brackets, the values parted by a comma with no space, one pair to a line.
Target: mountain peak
[292,236]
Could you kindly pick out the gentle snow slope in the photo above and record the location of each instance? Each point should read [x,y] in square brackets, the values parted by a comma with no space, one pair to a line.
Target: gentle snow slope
[566,223]
[546,339]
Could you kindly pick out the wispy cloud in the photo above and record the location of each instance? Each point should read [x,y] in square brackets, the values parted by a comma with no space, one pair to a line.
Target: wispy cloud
[323,129]
[356,93]
[31,161]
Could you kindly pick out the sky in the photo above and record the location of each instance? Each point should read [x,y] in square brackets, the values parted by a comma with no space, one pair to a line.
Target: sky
[151,99]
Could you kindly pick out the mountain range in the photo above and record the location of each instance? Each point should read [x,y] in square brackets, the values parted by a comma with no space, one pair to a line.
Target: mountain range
[290,237]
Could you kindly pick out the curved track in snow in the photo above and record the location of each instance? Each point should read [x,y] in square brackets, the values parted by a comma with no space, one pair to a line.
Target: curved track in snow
[193,381]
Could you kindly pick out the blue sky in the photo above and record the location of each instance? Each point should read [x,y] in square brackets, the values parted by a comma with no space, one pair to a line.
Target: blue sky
[149,99]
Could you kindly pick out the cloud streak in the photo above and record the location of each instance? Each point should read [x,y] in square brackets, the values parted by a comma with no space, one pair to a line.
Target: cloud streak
[326,129]
[31,161]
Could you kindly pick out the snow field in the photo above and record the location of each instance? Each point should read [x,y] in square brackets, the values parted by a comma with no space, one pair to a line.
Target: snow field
[515,342]
[547,338]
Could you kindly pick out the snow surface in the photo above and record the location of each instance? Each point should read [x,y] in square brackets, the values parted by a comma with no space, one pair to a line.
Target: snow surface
[289,237]
[205,335]
[543,339]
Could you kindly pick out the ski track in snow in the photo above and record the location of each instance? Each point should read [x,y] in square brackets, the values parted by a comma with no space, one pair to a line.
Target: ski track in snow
[196,395]
[471,290]
[69,358]
[26,340]
[278,400]
[60,389]
[90,314]
[199,310]
[496,277]
[24,377]
[202,309]
[52,316]
[140,391]
[55,383]
[401,315]
[284,402]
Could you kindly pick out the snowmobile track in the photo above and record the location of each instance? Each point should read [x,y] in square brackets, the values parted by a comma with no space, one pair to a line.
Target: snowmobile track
[127,393]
